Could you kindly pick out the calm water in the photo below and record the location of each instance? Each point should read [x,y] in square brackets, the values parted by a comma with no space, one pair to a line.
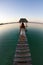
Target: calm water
[35,40]
[9,37]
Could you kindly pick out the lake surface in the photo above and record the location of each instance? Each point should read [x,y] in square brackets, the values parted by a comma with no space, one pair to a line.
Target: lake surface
[9,35]
[8,39]
[35,39]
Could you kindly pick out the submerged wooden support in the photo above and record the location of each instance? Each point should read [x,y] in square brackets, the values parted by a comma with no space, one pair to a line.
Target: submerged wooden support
[22,55]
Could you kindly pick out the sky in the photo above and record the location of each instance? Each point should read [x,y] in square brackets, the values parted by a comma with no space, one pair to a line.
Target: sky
[13,10]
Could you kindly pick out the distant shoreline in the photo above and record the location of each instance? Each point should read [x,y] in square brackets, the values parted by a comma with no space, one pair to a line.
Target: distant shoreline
[8,23]
[18,22]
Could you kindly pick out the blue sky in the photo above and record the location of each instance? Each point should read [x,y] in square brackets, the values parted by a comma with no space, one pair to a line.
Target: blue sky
[11,10]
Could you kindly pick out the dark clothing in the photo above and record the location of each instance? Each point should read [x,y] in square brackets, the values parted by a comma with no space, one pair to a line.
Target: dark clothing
[22,26]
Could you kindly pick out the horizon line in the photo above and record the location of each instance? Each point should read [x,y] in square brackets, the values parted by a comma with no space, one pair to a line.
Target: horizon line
[18,22]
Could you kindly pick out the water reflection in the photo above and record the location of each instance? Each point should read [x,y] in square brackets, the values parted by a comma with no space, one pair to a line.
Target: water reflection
[35,39]
[8,39]
[35,26]
[9,35]
[8,27]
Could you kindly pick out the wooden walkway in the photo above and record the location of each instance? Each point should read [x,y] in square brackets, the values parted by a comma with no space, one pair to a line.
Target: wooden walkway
[22,55]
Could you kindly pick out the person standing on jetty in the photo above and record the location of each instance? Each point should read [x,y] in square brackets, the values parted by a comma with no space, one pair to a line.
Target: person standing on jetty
[22,29]
[22,26]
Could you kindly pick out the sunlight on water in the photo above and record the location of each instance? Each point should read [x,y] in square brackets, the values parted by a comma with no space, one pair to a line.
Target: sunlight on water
[8,27]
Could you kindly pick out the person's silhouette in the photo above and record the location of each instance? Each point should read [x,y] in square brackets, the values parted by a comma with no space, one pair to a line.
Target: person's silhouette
[22,26]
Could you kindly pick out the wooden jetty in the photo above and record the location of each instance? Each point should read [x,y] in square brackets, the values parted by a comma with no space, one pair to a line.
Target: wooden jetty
[22,55]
